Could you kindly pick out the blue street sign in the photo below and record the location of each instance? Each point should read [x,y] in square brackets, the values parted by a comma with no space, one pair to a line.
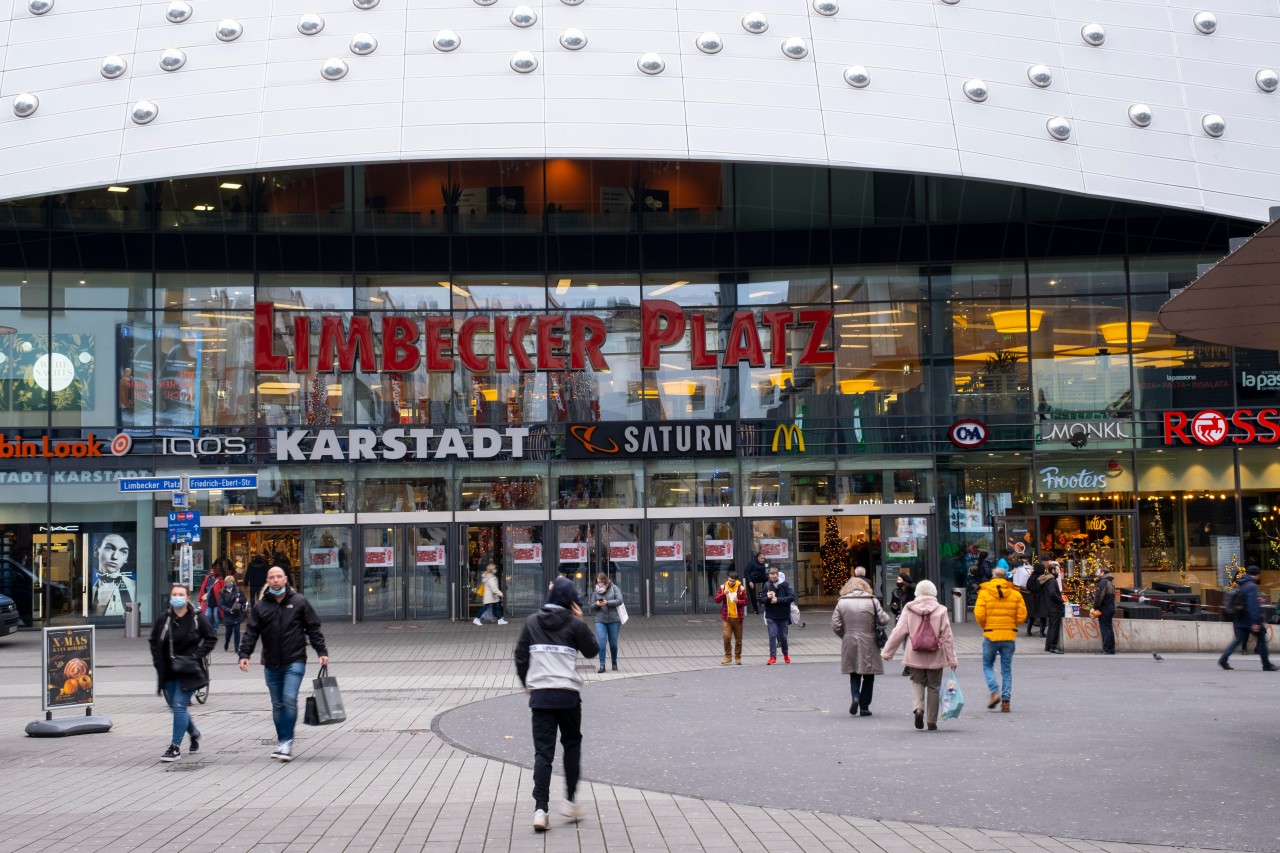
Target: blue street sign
[150,484]
[231,481]
[184,527]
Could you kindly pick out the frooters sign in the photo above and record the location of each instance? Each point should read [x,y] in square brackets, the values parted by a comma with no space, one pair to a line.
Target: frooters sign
[1055,479]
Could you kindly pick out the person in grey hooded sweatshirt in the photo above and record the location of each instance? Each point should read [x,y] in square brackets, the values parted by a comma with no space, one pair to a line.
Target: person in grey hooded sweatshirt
[545,655]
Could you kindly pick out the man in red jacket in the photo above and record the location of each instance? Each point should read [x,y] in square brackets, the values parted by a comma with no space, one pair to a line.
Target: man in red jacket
[732,598]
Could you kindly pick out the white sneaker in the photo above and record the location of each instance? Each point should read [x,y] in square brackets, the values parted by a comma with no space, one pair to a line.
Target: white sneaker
[476,621]
[503,622]
[541,823]
[284,752]
[573,811]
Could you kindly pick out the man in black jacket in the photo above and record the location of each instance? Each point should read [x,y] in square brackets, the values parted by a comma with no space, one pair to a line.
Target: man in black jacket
[1248,621]
[757,574]
[286,622]
[1104,609]
[545,657]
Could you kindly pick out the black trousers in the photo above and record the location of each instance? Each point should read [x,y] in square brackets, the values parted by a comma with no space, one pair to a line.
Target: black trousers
[545,723]
[1108,634]
[861,688]
[1054,635]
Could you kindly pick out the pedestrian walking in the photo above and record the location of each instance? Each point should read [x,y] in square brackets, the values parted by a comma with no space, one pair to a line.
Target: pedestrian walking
[757,576]
[999,611]
[492,596]
[232,604]
[1051,605]
[732,598]
[605,603]
[549,643]
[855,620]
[1104,609]
[285,622]
[1036,615]
[181,638]
[1248,621]
[926,625]
[207,601]
[903,592]
[776,597]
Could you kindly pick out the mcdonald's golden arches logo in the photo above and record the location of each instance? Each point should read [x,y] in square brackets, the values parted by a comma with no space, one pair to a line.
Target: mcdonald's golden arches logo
[788,433]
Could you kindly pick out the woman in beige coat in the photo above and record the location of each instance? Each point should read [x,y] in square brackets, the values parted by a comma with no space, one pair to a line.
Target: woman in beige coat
[926,666]
[854,621]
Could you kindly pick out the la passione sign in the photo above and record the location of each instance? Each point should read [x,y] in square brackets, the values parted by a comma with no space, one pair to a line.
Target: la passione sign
[563,341]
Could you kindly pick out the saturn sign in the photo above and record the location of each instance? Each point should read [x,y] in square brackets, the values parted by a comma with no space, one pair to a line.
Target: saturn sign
[968,434]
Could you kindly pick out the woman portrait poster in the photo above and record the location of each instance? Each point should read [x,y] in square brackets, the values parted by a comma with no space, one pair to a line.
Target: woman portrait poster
[112,582]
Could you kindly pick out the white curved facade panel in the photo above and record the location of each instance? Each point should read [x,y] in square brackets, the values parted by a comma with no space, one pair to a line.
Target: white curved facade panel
[260,100]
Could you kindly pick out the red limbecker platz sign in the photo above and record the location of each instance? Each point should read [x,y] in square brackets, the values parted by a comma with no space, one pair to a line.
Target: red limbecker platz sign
[1211,427]
[563,341]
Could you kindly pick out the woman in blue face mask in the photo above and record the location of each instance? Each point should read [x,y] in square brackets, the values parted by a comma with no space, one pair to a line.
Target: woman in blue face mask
[181,638]
[285,622]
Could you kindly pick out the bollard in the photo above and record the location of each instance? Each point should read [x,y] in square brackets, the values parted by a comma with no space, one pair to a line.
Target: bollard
[958,605]
[132,620]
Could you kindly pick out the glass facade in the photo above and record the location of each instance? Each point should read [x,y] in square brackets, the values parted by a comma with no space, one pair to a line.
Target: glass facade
[835,323]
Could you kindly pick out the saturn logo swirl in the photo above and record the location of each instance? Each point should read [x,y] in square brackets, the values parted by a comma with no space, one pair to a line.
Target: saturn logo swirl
[584,433]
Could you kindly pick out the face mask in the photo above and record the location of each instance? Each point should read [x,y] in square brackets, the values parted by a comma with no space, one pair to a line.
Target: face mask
[279,591]
[178,603]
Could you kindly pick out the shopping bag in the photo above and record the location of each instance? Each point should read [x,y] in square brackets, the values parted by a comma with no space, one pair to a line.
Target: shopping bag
[327,698]
[795,615]
[623,616]
[311,716]
[952,698]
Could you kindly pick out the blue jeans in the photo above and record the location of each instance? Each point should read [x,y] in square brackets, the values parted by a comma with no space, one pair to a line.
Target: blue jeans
[608,631]
[178,700]
[990,649]
[283,684]
[494,608]
[211,613]
[1242,635]
[232,626]
[778,635]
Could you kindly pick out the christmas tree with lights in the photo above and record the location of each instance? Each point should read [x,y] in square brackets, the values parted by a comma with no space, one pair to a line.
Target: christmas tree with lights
[835,559]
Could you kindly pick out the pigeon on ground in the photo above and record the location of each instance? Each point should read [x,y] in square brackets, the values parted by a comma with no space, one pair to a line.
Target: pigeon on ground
[1156,655]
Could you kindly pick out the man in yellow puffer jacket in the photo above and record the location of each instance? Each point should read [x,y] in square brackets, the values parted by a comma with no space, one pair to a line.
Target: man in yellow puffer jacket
[1000,610]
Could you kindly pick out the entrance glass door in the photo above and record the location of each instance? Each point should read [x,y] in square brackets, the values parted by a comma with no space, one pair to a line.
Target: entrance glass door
[620,552]
[382,587]
[672,565]
[715,554]
[429,572]
[517,551]
[326,569]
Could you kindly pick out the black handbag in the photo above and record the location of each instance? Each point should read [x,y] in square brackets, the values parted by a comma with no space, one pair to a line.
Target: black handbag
[882,636]
[181,664]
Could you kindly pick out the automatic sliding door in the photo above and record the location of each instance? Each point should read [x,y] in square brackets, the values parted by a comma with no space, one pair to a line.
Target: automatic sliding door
[326,569]
[620,546]
[524,568]
[428,572]
[672,565]
[715,555]
[382,584]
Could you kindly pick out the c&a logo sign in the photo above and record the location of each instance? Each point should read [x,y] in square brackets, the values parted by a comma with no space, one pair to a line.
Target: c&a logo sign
[788,433]
[968,434]
[1211,427]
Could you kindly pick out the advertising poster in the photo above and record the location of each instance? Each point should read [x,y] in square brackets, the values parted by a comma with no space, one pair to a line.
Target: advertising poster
[429,555]
[112,578]
[775,549]
[573,552]
[381,557]
[135,376]
[624,552]
[68,667]
[901,548]
[668,550]
[323,558]
[530,552]
[177,388]
[719,549]
[50,372]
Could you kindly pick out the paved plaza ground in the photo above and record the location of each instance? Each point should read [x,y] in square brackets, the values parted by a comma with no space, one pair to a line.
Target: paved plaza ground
[1100,754]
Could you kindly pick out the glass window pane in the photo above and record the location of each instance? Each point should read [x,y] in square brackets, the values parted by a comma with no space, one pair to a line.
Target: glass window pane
[780,198]
[880,283]
[499,487]
[595,195]
[1068,277]
[425,292]
[97,289]
[597,485]
[986,280]
[304,200]
[72,372]
[680,195]
[963,201]
[23,213]
[501,196]
[869,199]
[678,483]
[305,290]
[185,291]
[208,203]
[603,395]
[202,363]
[399,197]
[1173,372]
[1074,368]
[113,208]
[989,371]
[491,292]
[593,290]
[772,287]
[701,287]
[24,394]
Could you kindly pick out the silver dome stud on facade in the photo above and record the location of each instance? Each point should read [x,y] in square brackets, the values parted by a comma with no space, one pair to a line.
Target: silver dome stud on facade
[651,63]
[523,17]
[229,29]
[178,11]
[1059,128]
[1267,79]
[1206,22]
[755,22]
[1040,76]
[144,112]
[975,90]
[571,2]
[857,76]
[25,105]
[172,59]
[310,24]
[1093,34]
[1214,125]
[573,39]
[39,7]
[446,40]
[365,4]
[334,68]
[1140,115]
[826,8]
[794,48]
[485,2]
[951,2]
[710,43]
[363,44]
[523,62]
[113,67]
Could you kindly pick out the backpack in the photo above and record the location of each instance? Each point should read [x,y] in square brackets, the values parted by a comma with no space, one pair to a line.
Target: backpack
[925,638]
[1233,601]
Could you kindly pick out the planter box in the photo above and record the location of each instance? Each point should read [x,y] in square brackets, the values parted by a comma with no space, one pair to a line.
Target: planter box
[1152,635]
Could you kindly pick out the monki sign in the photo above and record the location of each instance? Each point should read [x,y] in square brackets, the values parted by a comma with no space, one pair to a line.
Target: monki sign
[563,341]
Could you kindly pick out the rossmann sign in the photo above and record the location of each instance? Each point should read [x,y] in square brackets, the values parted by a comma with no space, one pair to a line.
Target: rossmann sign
[562,341]
[1211,428]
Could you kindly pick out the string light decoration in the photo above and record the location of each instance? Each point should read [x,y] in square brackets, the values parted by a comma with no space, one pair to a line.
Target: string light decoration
[1160,544]
[1235,572]
[835,559]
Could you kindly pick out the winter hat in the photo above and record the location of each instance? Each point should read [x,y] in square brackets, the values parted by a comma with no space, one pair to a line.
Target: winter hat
[926,589]
[1253,570]
[562,593]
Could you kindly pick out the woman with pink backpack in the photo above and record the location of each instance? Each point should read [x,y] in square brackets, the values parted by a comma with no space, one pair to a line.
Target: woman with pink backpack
[927,626]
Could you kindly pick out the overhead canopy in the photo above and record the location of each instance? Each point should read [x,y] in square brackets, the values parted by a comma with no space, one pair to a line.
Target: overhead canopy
[1237,301]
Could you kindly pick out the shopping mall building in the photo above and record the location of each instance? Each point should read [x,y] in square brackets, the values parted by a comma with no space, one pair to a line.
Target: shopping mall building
[402,288]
